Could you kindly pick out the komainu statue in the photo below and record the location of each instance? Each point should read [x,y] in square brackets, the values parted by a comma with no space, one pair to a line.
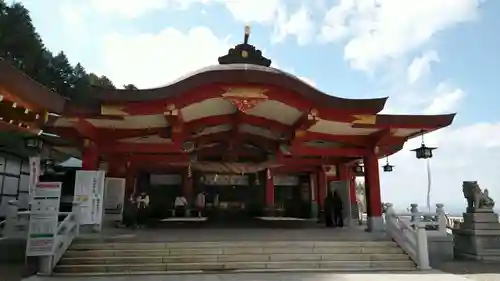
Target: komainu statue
[477,200]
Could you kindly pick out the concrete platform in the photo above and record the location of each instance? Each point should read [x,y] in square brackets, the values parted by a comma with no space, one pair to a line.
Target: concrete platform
[233,234]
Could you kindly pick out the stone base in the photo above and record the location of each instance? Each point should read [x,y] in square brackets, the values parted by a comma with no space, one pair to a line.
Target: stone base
[491,257]
[440,249]
[480,217]
[478,237]
[375,224]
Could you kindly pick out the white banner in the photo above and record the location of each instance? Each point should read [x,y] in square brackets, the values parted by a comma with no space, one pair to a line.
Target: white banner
[34,174]
[89,192]
[44,218]
[114,194]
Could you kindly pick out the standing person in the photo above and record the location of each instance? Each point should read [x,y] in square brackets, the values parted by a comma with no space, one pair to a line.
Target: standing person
[180,205]
[142,209]
[129,211]
[338,206]
[200,203]
[328,206]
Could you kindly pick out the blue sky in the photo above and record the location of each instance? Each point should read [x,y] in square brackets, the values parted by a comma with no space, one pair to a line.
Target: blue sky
[429,57]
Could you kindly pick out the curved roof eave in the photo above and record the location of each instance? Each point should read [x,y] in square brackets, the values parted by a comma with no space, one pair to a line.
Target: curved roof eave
[237,73]
[29,90]
[424,121]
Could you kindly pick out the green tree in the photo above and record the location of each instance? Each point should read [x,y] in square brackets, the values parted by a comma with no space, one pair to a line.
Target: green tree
[130,87]
[21,45]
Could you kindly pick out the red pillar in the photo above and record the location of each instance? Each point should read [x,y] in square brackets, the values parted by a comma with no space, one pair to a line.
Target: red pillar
[322,187]
[269,189]
[90,156]
[187,185]
[373,200]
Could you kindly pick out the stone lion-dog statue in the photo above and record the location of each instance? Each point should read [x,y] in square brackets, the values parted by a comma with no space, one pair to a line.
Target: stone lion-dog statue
[477,200]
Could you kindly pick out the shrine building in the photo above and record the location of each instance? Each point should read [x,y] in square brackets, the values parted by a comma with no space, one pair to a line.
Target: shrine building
[262,140]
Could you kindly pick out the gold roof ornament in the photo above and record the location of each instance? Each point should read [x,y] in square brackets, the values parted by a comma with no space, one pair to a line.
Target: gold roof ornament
[245,53]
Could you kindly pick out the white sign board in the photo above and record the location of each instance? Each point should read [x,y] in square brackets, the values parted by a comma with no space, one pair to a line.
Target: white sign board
[34,174]
[44,218]
[89,192]
[114,194]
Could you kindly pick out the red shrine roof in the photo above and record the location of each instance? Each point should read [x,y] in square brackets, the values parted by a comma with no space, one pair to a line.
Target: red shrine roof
[241,110]
[24,103]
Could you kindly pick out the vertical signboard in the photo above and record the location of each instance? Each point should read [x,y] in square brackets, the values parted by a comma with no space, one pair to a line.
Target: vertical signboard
[34,174]
[44,218]
[114,193]
[89,192]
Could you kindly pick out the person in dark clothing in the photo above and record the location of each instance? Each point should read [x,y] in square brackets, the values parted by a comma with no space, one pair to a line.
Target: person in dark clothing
[328,207]
[129,212]
[338,206]
[142,202]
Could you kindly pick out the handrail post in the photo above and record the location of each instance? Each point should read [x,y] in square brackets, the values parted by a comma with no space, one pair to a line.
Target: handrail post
[77,214]
[11,219]
[442,220]
[414,211]
[422,248]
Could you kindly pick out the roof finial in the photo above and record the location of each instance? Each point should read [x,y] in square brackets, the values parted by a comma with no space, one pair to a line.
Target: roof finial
[247,34]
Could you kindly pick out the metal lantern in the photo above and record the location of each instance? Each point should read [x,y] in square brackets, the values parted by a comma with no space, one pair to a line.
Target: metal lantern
[359,169]
[423,152]
[48,165]
[387,167]
[33,143]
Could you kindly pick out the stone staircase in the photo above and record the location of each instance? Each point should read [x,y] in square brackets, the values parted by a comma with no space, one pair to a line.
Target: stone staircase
[125,258]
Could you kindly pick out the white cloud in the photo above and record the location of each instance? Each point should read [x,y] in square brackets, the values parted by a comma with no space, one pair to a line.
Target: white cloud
[259,11]
[128,8]
[299,24]
[421,66]
[446,99]
[387,29]
[150,60]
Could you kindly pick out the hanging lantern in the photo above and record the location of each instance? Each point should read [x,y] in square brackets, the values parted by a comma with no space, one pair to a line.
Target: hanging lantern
[257,182]
[387,167]
[268,174]
[48,165]
[190,172]
[33,143]
[423,152]
[359,169]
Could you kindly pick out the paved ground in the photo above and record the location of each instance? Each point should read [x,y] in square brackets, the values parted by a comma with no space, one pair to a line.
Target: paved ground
[436,276]
[462,271]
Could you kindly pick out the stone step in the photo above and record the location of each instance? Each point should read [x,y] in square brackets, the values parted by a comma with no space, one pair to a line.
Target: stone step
[247,244]
[233,251]
[230,258]
[221,266]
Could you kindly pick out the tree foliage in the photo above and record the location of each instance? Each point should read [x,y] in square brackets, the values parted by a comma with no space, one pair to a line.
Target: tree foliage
[22,46]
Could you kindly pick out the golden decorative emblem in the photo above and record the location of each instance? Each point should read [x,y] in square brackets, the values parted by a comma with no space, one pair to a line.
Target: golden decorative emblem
[113,110]
[364,119]
[249,92]
[244,54]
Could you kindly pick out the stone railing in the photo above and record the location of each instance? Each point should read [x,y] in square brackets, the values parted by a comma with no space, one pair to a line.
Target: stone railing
[410,231]
[17,226]
[67,231]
